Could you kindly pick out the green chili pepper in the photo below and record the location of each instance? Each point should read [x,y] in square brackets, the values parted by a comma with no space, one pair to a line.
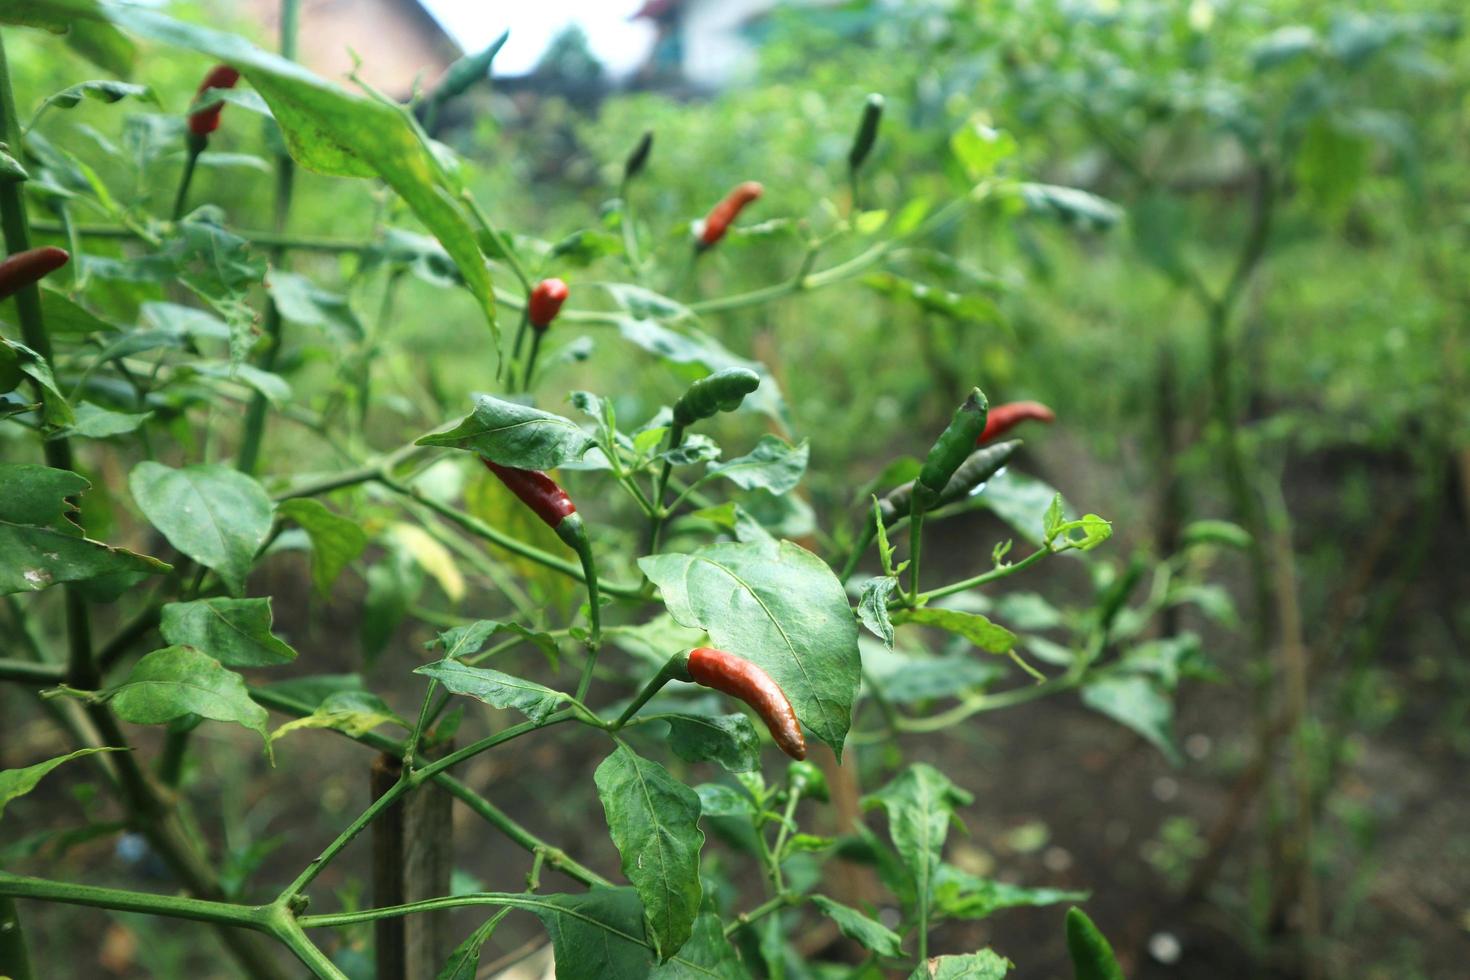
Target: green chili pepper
[951,449]
[722,391]
[465,72]
[639,157]
[1092,957]
[867,133]
[807,779]
[978,467]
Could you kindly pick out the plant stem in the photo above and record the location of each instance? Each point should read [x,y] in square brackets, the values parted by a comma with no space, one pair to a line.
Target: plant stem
[991,576]
[661,486]
[536,336]
[676,668]
[31,673]
[181,199]
[13,957]
[759,912]
[170,906]
[916,541]
[594,613]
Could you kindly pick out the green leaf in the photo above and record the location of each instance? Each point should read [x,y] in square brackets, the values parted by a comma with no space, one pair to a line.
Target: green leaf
[909,678]
[980,148]
[1283,45]
[717,800]
[1138,703]
[961,895]
[1070,206]
[780,607]
[353,712]
[302,301]
[97,42]
[335,541]
[774,465]
[535,701]
[518,435]
[466,641]
[93,422]
[920,803]
[729,740]
[689,345]
[216,515]
[39,544]
[873,607]
[597,935]
[464,962]
[102,90]
[654,820]
[984,965]
[177,681]
[1092,956]
[236,632]
[1021,501]
[972,626]
[868,933]
[18,782]
[330,131]
[707,954]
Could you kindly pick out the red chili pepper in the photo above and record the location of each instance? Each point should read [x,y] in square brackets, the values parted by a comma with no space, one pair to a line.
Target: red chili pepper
[206,121]
[26,268]
[717,222]
[742,679]
[1005,417]
[537,491]
[546,300]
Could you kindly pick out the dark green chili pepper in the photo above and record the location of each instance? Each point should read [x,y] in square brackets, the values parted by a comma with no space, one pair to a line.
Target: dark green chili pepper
[639,157]
[465,72]
[951,449]
[867,133]
[722,391]
[978,467]
[1092,957]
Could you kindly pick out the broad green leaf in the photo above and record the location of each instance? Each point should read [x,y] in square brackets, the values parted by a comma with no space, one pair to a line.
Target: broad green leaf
[218,516]
[18,782]
[962,307]
[1092,955]
[984,965]
[774,465]
[39,544]
[96,41]
[707,954]
[961,895]
[392,585]
[177,681]
[353,712]
[311,691]
[596,935]
[972,626]
[873,607]
[54,408]
[515,435]
[729,740]
[535,701]
[335,541]
[236,632]
[910,678]
[1138,703]
[302,301]
[718,800]
[464,962]
[689,345]
[871,934]
[94,422]
[980,148]
[780,607]
[920,803]
[328,130]
[1284,45]
[654,820]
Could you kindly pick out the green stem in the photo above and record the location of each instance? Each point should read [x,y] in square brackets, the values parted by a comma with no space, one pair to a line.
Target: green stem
[661,486]
[266,239]
[171,906]
[594,613]
[14,959]
[760,912]
[30,672]
[676,668]
[492,814]
[536,336]
[181,199]
[515,353]
[916,541]
[993,575]
[499,240]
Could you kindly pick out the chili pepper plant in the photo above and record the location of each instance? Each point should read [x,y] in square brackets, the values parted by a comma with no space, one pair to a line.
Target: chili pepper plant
[160,448]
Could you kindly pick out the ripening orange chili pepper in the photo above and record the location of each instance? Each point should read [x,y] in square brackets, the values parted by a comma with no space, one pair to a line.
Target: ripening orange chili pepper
[742,679]
[1005,417]
[545,303]
[717,222]
[206,121]
[26,268]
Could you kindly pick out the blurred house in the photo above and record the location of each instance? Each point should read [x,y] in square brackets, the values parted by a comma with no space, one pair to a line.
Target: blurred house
[398,41]
[705,44]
